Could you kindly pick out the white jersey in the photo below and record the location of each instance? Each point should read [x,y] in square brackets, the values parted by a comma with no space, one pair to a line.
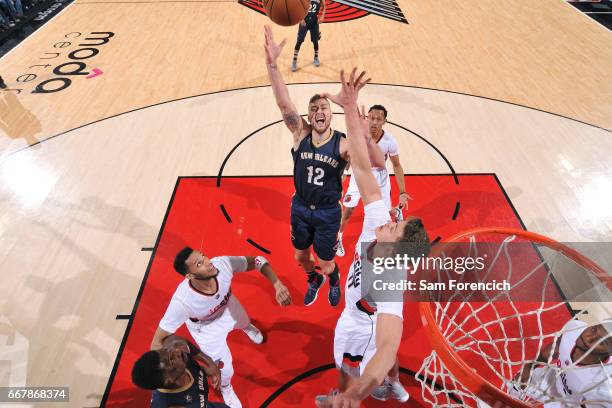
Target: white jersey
[388,145]
[375,215]
[188,303]
[582,383]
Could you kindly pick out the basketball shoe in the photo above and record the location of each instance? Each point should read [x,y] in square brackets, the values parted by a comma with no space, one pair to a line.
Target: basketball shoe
[229,396]
[315,281]
[254,334]
[390,389]
[340,249]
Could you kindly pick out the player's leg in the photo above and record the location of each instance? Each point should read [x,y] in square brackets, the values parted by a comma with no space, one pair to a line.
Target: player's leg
[302,29]
[384,182]
[211,338]
[350,201]
[314,37]
[326,222]
[302,235]
[241,320]
[347,351]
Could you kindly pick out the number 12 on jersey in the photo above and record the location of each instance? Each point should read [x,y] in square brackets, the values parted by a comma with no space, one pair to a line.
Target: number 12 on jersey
[318,174]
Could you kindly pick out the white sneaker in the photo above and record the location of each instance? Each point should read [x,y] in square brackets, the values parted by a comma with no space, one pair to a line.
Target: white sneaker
[397,390]
[340,249]
[254,334]
[381,392]
[229,396]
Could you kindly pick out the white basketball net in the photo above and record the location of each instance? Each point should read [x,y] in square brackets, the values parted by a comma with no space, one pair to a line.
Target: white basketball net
[500,338]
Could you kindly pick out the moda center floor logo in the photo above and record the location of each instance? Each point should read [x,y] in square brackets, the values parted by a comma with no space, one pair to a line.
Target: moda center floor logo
[345,10]
[67,59]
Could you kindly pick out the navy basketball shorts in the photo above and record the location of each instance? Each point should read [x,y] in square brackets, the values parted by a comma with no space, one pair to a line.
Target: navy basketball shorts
[313,27]
[317,227]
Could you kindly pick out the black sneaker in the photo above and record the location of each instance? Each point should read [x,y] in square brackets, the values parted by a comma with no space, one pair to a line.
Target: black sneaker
[314,284]
[334,294]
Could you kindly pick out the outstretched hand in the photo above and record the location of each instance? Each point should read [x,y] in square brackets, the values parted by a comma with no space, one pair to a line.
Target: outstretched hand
[350,89]
[339,401]
[273,50]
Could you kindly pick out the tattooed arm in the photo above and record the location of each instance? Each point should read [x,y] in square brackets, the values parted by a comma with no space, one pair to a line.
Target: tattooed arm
[298,126]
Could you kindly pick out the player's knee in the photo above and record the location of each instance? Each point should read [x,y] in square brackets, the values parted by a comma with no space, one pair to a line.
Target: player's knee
[327,267]
[302,257]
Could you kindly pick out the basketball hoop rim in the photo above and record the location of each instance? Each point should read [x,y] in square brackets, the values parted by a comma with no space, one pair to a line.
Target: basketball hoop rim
[468,377]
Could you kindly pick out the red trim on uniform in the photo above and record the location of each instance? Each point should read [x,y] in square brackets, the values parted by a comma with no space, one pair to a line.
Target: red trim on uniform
[202,293]
[354,364]
[366,306]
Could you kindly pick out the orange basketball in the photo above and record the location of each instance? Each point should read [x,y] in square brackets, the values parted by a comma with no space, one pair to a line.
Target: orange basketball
[286,12]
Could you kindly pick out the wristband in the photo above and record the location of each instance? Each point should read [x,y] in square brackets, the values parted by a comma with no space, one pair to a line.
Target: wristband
[260,261]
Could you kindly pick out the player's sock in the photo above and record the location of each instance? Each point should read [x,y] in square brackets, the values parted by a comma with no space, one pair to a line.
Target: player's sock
[334,278]
[335,294]
[296,51]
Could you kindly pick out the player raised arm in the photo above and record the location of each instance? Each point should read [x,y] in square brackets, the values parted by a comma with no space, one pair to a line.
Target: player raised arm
[295,123]
[357,135]
[283,297]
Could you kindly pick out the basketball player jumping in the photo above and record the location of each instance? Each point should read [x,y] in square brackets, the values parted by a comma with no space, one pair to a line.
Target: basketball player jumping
[365,364]
[577,369]
[178,374]
[377,117]
[319,157]
[204,302]
[310,23]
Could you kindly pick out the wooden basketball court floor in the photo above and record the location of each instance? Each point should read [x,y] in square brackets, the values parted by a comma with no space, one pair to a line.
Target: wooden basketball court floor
[155,90]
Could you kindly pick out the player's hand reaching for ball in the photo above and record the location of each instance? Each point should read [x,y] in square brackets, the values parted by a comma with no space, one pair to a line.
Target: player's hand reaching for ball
[350,88]
[283,297]
[273,50]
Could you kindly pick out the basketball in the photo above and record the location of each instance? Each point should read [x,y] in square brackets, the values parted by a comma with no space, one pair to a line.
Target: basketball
[286,12]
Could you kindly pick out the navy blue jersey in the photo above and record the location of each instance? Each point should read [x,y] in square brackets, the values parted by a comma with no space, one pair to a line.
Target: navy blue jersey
[317,171]
[313,11]
[195,396]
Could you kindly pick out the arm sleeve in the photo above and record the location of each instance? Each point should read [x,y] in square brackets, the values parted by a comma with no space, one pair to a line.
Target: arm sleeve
[376,214]
[237,263]
[175,316]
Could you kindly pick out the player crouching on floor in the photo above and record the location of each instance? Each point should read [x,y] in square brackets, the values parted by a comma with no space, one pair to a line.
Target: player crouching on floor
[205,303]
